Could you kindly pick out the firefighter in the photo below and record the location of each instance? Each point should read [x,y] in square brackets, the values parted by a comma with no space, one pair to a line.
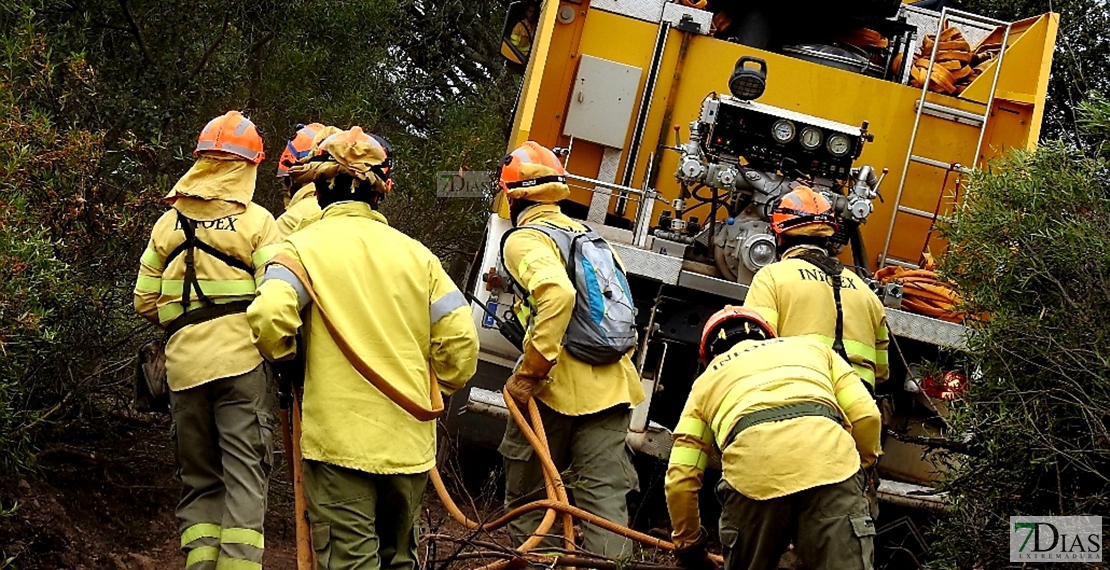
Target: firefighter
[797,296]
[585,408]
[300,195]
[196,278]
[364,293]
[794,425]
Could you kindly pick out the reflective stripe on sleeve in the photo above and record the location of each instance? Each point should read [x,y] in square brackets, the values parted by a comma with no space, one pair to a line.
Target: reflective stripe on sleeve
[446,305]
[201,530]
[243,536]
[281,273]
[689,456]
[202,554]
[264,254]
[151,259]
[148,284]
[528,259]
[852,347]
[695,427]
[883,333]
[544,275]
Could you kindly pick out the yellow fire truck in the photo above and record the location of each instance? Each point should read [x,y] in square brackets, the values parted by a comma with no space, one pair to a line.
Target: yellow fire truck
[679,126]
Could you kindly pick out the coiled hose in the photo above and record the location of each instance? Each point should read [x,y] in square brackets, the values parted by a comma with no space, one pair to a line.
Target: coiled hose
[557,501]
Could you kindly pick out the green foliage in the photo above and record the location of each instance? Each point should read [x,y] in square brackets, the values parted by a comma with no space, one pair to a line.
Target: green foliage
[1031,249]
[100,105]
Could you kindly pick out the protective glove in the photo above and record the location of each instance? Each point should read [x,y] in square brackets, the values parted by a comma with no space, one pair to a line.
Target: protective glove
[533,371]
[521,388]
[695,556]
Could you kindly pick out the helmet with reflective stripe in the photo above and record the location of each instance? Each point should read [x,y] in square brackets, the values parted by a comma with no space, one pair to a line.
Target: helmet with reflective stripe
[728,326]
[231,133]
[803,212]
[297,147]
[532,172]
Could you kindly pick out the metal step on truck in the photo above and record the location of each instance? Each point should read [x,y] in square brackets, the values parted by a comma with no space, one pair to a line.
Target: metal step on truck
[680,125]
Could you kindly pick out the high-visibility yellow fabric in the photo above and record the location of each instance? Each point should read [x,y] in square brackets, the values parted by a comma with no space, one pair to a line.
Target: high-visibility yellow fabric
[796,299]
[771,459]
[201,530]
[219,187]
[574,387]
[221,347]
[202,554]
[391,300]
[303,205]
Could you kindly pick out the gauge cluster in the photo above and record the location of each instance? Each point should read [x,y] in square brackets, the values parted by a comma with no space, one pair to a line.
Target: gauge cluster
[773,139]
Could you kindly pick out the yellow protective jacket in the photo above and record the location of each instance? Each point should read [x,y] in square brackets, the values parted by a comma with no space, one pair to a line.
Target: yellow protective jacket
[393,303]
[796,299]
[774,458]
[574,387]
[301,206]
[220,347]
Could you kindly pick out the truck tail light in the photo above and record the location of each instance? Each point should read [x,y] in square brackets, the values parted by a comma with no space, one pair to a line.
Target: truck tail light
[947,386]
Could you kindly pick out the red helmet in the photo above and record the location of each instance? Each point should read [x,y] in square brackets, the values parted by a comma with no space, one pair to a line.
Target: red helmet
[803,212]
[234,134]
[532,172]
[297,147]
[729,323]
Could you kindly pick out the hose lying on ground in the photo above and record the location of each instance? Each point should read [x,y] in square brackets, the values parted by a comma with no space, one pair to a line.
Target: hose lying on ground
[557,500]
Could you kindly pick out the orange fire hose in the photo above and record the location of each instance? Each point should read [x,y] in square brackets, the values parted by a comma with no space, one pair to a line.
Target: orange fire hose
[538,439]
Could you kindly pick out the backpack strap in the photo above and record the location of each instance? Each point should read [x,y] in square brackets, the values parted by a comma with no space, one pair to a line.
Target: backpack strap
[833,268]
[190,281]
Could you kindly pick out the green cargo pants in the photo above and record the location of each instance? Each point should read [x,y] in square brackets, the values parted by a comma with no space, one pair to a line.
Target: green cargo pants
[363,521]
[601,474]
[223,434]
[830,526]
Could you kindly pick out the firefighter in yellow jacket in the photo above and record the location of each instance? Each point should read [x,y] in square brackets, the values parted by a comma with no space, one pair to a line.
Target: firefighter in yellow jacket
[361,292]
[585,407]
[798,294]
[196,279]
[795,426]
[300,198]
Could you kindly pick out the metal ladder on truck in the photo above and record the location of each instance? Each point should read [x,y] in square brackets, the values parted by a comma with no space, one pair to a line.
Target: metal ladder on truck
[945,112]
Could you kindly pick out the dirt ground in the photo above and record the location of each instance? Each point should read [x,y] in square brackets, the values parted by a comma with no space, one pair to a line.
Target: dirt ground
[104,500]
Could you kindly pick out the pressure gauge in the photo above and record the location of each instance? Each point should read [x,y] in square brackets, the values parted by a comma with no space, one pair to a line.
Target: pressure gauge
[839,145]
[811,138]
[783,131]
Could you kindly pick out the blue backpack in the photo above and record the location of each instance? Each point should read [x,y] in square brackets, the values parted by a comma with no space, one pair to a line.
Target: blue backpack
[603,327]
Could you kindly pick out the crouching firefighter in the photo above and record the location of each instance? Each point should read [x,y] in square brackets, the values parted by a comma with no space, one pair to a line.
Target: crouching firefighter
[196,278]
[581,329]
[384,331]
[796,428]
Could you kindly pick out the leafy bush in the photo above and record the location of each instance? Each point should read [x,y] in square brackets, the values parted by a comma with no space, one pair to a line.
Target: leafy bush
[1030,248]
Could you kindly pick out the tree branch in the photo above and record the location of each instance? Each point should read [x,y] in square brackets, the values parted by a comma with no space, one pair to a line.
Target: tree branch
[135,31]
[211,48]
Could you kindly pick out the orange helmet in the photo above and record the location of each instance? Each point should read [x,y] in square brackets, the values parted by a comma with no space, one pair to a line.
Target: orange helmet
[533,172]
[234,134]
[803,212]
[297,147]
[735,324]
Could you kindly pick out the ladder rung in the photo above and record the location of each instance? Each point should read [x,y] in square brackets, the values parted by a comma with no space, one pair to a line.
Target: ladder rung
[921,213]
[939,164]
[899,262]
[953,114]
[974,20]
